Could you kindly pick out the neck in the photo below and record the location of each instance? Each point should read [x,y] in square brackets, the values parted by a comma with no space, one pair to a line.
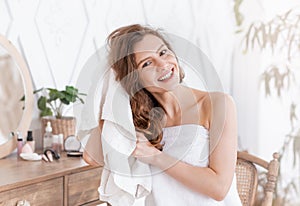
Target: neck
[176,101]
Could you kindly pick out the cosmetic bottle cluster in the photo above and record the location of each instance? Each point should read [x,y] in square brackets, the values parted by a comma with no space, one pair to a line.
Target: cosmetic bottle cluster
[50,141]
[25,147]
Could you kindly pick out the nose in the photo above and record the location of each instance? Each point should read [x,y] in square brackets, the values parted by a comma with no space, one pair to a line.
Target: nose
[161,63]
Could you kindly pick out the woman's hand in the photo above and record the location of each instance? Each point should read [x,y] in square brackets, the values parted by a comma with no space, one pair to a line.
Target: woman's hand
[145,151]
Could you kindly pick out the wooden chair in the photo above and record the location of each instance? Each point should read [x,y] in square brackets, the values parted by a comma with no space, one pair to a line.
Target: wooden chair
[247,178]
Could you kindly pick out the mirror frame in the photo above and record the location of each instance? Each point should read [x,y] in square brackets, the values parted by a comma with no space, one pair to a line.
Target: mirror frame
[9,146]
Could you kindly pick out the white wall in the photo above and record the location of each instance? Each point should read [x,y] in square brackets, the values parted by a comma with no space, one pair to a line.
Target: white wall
[265,121]
[56,37]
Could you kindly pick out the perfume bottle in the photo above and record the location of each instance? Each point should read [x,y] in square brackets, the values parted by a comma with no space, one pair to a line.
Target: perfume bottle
[48,136]
[29,147]
[19,143]
[30,140]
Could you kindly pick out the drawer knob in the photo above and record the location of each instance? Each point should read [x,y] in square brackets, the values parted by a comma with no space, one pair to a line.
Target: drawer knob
[23,203]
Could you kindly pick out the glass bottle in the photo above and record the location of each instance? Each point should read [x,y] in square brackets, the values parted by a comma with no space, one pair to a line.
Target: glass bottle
[48,136]
[30,140]
[20,143]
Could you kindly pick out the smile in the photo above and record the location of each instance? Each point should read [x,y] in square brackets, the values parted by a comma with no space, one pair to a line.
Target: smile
[167,76]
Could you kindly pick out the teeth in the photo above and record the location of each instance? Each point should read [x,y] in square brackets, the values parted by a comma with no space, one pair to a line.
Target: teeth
[167,76]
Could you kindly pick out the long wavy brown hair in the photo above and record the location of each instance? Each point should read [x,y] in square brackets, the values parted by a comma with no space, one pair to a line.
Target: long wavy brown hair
[147,113]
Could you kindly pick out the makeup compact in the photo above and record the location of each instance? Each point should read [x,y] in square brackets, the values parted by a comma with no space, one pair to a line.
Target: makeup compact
[74,154]
[72,146]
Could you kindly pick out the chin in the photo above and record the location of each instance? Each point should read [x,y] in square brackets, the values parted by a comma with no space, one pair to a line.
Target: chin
[171,88]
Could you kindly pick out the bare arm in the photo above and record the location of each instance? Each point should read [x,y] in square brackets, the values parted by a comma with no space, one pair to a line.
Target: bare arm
[93,150]
[214,180]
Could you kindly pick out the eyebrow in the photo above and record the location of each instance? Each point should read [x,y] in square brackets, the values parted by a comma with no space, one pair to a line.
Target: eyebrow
[149,57]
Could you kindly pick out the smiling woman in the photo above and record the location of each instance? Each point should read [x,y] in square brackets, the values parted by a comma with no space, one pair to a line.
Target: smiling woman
[188,137]
[156,63]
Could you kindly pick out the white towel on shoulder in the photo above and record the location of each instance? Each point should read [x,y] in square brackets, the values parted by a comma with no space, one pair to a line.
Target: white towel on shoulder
[124,178]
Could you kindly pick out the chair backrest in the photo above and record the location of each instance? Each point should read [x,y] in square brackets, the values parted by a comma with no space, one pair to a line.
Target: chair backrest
[247,178]
[246,175]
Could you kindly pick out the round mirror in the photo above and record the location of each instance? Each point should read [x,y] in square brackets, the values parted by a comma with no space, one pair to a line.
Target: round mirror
[15,81]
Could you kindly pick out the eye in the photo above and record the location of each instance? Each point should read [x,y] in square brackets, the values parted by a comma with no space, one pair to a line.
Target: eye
[163,52]
[146,64]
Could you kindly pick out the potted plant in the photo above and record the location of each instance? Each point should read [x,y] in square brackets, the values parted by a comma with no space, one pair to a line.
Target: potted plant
[52,103]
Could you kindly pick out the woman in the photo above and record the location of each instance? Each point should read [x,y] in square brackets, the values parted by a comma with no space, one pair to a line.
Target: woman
[168,115]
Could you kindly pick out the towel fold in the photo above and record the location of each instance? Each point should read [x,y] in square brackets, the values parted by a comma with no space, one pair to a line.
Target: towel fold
[124,178]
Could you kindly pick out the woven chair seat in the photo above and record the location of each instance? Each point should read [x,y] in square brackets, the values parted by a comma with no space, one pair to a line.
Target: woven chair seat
[247,178]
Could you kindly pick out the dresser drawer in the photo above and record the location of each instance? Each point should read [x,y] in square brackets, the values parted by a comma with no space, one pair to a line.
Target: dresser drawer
[49,192]
[83,186]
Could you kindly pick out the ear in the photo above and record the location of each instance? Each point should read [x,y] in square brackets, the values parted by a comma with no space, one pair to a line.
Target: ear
[181,74]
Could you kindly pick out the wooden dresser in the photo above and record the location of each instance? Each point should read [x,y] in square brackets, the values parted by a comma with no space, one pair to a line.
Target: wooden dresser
[67,181]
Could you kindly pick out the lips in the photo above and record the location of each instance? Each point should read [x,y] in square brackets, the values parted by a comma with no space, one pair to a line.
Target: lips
[166,75]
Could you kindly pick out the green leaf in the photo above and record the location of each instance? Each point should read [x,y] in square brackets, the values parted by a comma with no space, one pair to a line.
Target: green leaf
[65,101]
[46,112]
[54,94]
[71,90]
[70,97]
[83,94]
[81,100]
[38,90]
[42,103]
[51,89]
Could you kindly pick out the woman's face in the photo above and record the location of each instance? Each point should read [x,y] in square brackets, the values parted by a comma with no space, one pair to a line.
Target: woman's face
[157,65]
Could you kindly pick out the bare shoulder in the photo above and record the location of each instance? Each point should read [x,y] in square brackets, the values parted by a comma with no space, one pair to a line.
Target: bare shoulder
[208,99]
[217,98]
[204,106]
[213,103]
[200,97]
[221,103]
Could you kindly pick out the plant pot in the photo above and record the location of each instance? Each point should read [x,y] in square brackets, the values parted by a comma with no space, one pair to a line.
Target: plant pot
[65,125]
